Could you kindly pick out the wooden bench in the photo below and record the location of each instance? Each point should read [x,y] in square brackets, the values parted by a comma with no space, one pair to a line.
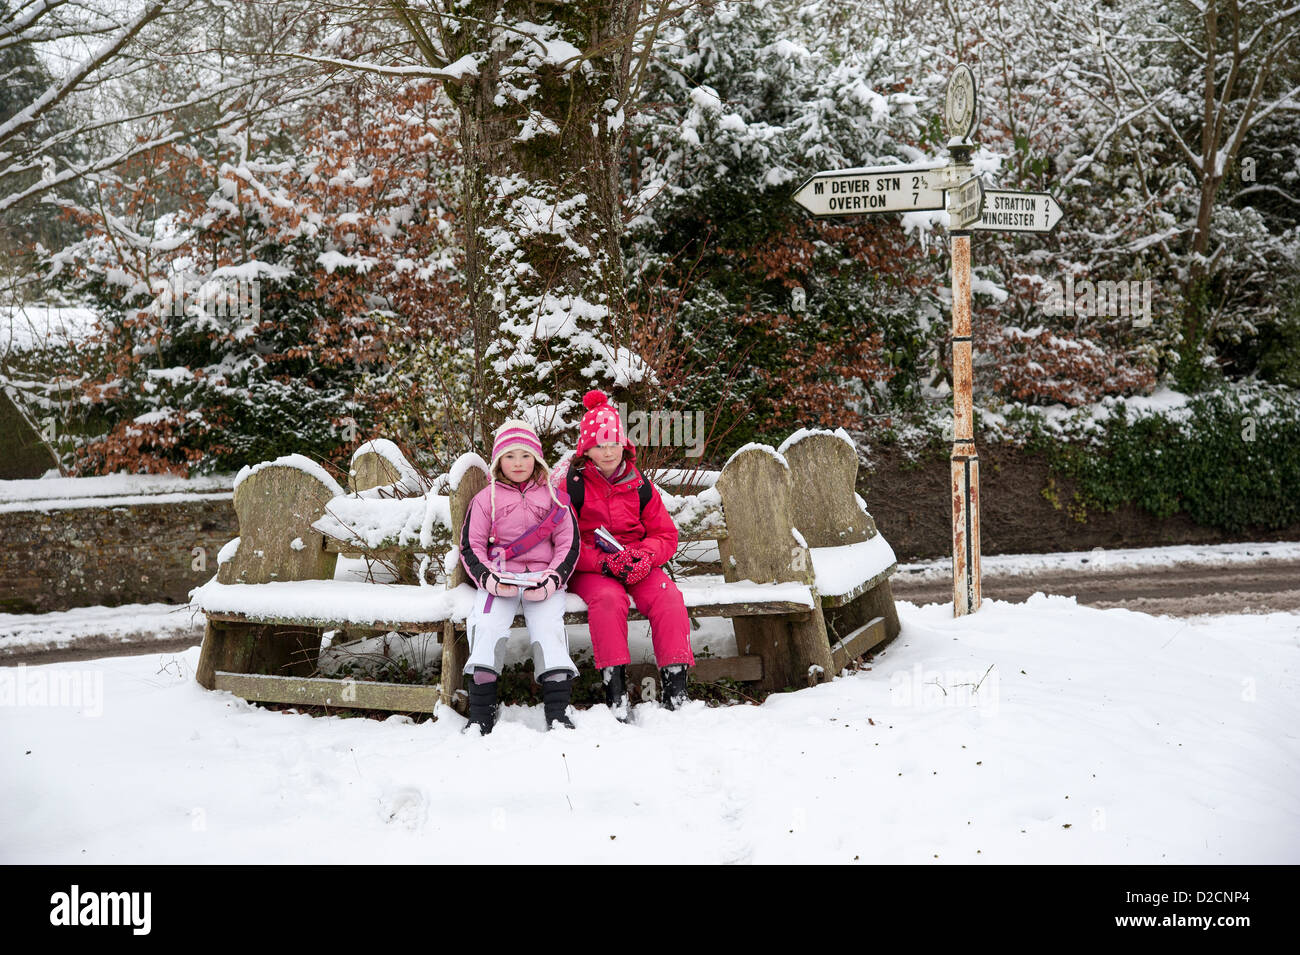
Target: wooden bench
[804,572]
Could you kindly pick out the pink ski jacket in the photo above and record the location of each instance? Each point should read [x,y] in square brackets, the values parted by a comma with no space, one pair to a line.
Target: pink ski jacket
[519,510]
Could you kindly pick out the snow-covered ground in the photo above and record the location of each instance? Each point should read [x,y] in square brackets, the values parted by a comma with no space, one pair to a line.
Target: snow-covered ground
[69,628]
[1035,732]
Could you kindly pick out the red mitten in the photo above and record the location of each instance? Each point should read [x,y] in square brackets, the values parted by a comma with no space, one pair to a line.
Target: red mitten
[549,585]
[492,584]
[639,553]
[639,567]
[617,565]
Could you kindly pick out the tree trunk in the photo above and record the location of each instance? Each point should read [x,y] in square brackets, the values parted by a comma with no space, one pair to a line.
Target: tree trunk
[541,125]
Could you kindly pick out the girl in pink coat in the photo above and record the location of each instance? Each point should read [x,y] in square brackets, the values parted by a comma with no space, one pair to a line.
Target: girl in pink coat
[609,494]
[516,528]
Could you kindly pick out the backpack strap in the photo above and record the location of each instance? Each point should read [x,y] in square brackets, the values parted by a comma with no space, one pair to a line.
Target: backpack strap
[576,490]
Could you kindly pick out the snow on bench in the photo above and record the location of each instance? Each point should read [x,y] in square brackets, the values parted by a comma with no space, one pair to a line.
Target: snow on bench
[360,523]
[845,571]
[330,604]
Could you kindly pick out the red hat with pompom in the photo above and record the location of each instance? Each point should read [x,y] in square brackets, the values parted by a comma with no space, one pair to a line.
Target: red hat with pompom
[601,424]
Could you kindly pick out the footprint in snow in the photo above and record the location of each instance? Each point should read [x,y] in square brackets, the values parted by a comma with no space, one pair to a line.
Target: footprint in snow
[405,807]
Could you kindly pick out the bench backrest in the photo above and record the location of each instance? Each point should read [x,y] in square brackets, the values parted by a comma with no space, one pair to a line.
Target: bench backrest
[776,504]
[824,472]
[468,476]
[276,504]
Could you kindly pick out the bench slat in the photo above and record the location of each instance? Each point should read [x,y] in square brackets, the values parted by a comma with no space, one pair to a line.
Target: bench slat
[830,602]
[415,698]
[746,669]
[316,691]
[322,623]
[858,642]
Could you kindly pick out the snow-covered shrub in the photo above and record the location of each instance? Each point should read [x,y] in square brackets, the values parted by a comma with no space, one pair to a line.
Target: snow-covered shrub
[1228,458]
[238,321]
[789,321]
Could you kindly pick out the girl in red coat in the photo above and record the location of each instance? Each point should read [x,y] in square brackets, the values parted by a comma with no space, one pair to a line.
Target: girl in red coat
[608,492]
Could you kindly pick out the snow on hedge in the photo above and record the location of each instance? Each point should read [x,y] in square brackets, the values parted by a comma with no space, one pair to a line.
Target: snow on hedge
[695,513]
[437,510]
[677,477]
[382,522]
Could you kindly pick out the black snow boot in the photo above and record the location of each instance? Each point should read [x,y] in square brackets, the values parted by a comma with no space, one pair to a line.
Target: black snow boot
[615,679]
[555,700]
[482,705]
[672,682]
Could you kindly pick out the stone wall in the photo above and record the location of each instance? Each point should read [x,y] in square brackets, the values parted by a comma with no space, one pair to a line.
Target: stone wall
[110,554]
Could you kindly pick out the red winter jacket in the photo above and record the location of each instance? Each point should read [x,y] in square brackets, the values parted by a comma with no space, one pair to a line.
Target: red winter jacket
[617,508]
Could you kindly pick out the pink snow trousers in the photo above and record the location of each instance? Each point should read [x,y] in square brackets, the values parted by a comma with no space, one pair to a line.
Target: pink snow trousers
[656,597]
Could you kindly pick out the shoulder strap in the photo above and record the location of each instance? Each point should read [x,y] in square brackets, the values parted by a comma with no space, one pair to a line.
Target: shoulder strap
[535,534]
[574,487]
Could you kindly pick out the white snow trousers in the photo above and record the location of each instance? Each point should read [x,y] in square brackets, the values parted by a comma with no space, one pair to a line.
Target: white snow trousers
[489,629]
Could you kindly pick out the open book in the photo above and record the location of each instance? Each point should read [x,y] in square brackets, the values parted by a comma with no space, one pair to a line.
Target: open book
[519,580]
[608,538]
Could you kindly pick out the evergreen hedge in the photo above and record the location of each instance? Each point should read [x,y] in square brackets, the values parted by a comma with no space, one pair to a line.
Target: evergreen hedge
[1228,459]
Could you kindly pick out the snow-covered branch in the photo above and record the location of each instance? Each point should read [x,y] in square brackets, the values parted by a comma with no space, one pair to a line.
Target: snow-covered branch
[57,93]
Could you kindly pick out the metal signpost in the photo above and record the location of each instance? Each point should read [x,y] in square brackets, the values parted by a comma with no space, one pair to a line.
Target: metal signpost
[951,186]
[965,210]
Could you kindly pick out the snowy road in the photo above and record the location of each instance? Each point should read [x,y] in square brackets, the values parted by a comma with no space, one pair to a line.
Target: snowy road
[1177,591]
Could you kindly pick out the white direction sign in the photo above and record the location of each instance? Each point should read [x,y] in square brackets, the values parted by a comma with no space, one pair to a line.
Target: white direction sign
[848,192]
[1006,211]
[967,201]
